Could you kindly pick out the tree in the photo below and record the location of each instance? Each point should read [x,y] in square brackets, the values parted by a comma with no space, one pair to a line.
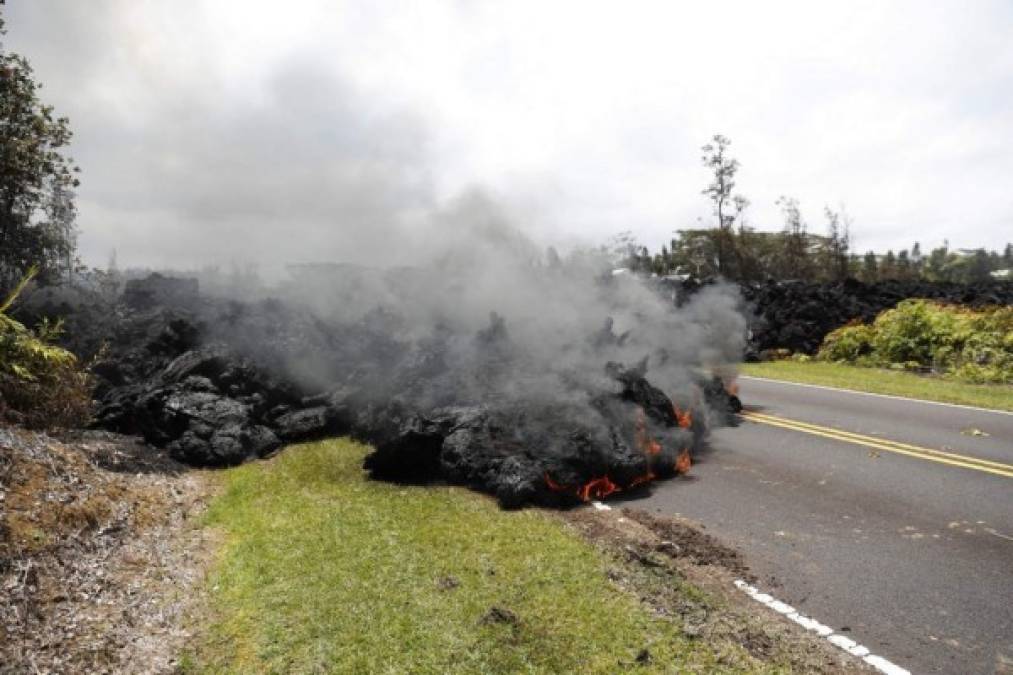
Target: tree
[727,208]
[888,268]
[870,268]
[917,260]
[795,250]
[37,180]
[994,260]
[838,243]
[939,259]
[978,266]
[903,265]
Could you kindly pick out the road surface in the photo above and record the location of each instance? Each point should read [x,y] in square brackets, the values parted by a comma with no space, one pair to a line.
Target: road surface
[886,518]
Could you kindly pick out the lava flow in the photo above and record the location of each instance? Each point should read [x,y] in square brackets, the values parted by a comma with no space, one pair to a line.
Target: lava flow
[684,419]
[640,436]
[599,488]
[683,462]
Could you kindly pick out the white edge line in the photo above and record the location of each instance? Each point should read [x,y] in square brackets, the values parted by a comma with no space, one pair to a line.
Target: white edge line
[840,641]
[601,507]
[869,393]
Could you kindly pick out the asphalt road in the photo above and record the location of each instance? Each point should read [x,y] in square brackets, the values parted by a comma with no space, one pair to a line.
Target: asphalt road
[909,552]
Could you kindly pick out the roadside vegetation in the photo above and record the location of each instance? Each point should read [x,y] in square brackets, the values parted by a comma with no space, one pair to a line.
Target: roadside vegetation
[41,385]
[956,342]
[324,571]
[883,381]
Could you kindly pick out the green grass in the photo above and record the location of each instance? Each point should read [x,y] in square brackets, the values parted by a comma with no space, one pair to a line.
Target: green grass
[324,571]
[880,381]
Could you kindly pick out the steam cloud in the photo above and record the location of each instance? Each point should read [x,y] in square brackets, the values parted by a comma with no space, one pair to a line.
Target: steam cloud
[415,301]
[486,315]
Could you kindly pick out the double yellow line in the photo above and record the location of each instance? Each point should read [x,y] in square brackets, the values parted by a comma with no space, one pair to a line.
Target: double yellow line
[953,459]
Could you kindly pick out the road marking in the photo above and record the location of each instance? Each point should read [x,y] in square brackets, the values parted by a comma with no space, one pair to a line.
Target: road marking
[869,393]
[949,458]
[998,534]
[751,414]
[810,624]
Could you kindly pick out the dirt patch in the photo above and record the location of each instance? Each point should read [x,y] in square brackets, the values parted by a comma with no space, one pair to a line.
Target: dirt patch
[100,553]
[685,574]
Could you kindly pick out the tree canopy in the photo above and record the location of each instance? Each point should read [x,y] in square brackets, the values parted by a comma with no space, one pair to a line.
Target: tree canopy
[37,178]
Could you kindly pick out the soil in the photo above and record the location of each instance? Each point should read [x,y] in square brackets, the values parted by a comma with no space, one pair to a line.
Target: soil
[101,553]
[656,557]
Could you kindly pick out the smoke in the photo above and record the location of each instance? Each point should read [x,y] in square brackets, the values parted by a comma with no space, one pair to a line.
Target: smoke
[282,157]
[484,315]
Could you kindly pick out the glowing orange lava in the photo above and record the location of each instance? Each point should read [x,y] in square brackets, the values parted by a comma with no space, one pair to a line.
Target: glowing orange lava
[553,485]
[685,419]
[599,488]
[647,444]
[683,462]
[640,480]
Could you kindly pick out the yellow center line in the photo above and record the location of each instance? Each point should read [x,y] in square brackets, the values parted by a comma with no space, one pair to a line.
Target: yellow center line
[952,459]
[882,441]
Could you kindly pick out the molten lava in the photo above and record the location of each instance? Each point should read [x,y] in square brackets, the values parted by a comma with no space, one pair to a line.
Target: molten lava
[599,488]
[648,445]
[640,480]
[683,462]
[684,419]
[553,485]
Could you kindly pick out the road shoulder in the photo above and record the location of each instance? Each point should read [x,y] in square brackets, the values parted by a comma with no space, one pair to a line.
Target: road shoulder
[657,556]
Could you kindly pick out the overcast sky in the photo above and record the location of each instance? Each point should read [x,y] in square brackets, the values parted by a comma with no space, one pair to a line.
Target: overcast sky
[248,130]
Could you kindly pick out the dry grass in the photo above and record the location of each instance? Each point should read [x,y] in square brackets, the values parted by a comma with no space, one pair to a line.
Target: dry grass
[96,554]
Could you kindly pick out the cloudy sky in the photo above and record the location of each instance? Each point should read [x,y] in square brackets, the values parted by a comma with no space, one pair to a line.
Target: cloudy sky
[248,130]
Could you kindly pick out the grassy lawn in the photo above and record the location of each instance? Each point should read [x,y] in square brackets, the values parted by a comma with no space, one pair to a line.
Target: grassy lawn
[324,571]
[879,381]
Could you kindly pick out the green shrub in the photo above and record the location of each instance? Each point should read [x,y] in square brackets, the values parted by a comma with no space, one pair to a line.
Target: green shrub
[848,343]
[41,385]
[971,345]
[904,334]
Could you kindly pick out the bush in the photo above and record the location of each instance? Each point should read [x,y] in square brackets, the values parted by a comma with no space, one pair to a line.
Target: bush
[847,344]
[41,385]
[971,345]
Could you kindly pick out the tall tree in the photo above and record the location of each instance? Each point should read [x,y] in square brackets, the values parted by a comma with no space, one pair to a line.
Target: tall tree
[838,243]
[795,250]
[37,179]
[727,207]
[937,267]
[917,260]
[978,268]
[870,268]
[903,265]
[888,268]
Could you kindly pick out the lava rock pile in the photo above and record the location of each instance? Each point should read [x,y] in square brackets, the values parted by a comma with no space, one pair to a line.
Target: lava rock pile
[797,315]
[218,382]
